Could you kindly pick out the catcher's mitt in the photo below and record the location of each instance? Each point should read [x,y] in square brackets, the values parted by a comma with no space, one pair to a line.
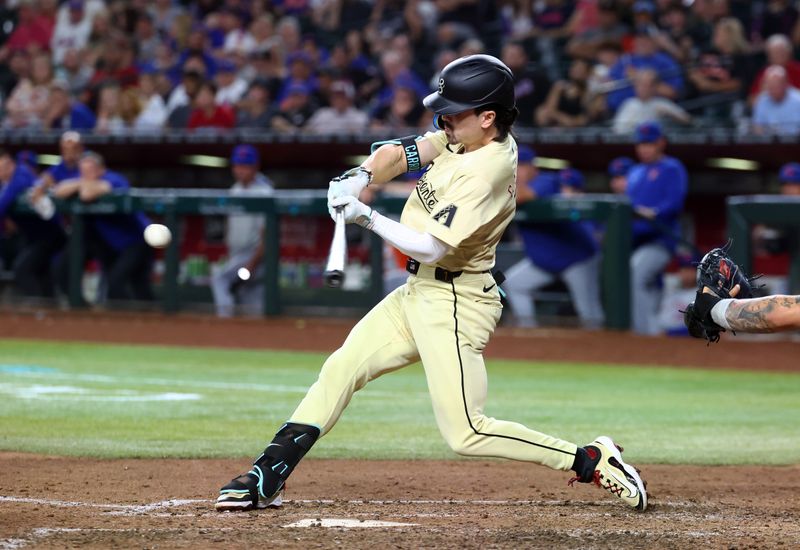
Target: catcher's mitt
[720,274]
[717,272]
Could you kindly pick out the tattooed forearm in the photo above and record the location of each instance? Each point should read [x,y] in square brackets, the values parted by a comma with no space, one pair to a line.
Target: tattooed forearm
[766,314]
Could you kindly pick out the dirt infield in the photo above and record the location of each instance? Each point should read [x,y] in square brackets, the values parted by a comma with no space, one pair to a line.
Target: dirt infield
[56,502]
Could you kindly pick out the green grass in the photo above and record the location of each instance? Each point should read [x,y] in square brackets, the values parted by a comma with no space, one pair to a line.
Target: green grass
[98,400]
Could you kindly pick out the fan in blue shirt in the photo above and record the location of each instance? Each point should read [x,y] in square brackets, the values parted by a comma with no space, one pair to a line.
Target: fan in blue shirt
[42,239]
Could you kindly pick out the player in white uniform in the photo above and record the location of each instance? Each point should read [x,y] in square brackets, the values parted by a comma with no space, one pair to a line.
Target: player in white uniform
[447,311]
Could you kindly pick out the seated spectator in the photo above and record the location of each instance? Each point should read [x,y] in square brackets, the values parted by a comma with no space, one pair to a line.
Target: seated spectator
[254,110]
[72,30]
[230,87]
[724,69]
[647,106]
[567,103]
[65,113]
[109,110]
[26,106]
[609,29]
[117,63]
[147,39]
[777,108]
[675,37]
[776,17]
[244,237]
[618,173]
[75,72]
[262,32]
[295,109]
[657,188]
[42,239]
[553,24]
[190,86]
[206,113]
[646,55]
[342,116]
[600,83]
[301,72]
[530,86]
[403,111]
[779,52]
[560,250]
[153,113]
[32,32]
[116,240]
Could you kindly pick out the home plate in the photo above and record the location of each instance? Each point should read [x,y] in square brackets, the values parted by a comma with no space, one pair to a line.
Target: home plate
[346,523]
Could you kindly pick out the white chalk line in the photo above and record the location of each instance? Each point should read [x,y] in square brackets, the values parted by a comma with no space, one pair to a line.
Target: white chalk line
[135,509]
[183,383]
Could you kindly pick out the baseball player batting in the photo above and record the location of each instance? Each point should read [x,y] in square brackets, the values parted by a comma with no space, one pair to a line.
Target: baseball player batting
[448,309]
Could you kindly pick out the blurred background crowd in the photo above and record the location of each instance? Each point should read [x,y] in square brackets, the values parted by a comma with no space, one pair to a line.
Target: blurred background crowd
[348,65]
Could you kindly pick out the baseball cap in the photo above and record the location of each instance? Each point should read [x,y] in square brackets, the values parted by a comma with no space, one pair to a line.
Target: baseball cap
[790,173]
[28,157]
[244,154]
[620,166]
[643,6]
[526,154]
[72,136]
[570,177]
[298,56]
[75,4]
[225,66]
[648,132]
[343,87]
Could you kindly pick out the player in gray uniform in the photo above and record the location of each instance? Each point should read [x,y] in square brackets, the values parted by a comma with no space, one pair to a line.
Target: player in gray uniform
[244,237]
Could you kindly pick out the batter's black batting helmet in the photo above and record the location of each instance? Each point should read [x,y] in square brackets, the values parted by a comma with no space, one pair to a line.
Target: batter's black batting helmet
[470,82]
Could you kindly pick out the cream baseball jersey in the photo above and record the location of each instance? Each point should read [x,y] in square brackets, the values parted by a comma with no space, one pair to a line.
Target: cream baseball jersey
[465,200]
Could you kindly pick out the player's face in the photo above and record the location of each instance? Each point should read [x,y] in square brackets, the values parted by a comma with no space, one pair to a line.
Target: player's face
[467,128]
[244,172]
[6,168]
[71,151]
[618,184]
[649,152]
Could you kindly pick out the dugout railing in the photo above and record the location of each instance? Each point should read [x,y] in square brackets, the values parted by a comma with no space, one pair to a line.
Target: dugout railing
[171,205]
[778,211]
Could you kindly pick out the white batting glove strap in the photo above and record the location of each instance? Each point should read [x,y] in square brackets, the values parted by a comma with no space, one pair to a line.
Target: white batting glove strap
[351,183]
[355,211]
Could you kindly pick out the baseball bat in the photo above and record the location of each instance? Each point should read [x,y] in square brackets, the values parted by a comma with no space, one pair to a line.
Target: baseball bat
[337,257]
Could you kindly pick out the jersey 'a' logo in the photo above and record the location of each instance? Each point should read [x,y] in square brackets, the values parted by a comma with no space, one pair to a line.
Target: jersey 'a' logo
[445,215]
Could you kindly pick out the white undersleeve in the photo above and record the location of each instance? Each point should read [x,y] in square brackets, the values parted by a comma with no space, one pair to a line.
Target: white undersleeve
[423,247]
[718,313]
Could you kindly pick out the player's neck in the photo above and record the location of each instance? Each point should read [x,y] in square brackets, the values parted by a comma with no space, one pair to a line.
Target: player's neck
[486,139]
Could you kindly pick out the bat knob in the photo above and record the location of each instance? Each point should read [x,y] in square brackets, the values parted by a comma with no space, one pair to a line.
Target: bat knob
[334,279]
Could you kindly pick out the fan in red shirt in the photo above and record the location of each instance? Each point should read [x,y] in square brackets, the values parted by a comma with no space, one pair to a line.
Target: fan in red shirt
[779,52]
[33,30]
[206,113]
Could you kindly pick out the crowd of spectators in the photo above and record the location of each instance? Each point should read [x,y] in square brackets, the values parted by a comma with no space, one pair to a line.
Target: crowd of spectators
[330,66]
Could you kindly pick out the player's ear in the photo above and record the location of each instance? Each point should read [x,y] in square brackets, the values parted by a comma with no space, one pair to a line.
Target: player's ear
[487,119]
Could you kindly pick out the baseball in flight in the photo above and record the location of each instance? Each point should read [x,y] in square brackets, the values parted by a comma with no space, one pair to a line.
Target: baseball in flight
[157,235]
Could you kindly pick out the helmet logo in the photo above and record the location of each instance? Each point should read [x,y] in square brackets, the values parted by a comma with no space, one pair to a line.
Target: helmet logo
[441,86]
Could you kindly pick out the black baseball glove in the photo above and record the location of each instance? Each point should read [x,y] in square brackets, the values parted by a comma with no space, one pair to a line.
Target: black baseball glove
[718,273]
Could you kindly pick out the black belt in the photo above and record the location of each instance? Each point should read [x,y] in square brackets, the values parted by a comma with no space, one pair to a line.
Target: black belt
[441,274]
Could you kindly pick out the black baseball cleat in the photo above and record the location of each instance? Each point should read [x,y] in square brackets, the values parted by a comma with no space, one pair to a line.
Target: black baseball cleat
[608,471]
[246,493]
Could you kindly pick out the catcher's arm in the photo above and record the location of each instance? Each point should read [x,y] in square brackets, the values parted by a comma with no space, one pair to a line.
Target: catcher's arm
[758,315]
